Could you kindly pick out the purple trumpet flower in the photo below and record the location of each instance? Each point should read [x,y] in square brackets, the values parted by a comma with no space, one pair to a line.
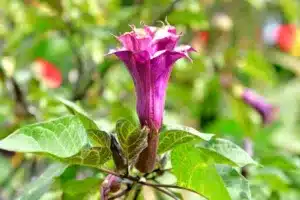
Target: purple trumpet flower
[267,111]
[149,54]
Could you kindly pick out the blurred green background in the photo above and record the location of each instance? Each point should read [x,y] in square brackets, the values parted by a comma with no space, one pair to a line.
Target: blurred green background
[75,35]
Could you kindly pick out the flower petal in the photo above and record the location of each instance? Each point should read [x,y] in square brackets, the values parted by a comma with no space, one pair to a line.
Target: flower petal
[162,62]
[185,49]
[135,41]
[164,39]
[150,30]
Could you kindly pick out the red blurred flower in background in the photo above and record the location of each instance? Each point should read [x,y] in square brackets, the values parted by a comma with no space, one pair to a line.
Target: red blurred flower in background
[286,37]
[47,73]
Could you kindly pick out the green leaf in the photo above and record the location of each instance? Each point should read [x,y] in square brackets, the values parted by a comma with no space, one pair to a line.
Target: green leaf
[216,157]
[38,187]
[62,137]
[237,185]
[73,188]
[231,151]
[198,173]
[91,157]
[132,140]
[125,127]
[176,135]
[97,137]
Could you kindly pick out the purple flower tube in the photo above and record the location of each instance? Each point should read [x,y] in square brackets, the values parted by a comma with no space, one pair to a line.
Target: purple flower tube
[267,111]
[149,54]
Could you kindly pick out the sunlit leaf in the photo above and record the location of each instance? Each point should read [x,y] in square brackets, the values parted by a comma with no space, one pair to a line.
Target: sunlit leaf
[236,184]
[216,157]
[198,173]
[62,137]
[231,151]
[176,135]
[97,137]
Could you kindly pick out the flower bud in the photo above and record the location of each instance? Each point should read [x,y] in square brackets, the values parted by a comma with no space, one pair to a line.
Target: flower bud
[111,184]
[267,111]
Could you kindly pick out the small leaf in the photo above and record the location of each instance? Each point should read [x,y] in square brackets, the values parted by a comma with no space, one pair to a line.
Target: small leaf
[62,137]
[175,135]
[125,127]
[38,187]
[133,140]
[97,137]
[91,157]
[231,151]
[237,185]
[198,173]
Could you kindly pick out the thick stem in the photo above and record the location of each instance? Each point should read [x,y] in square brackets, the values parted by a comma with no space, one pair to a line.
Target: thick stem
[147,158]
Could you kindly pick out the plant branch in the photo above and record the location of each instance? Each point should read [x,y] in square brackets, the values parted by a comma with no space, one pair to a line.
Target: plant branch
[171,186]
[156,186]
[21,108]
[167,11]
[137,192]
[73,48]
[80,62]
[164,191]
